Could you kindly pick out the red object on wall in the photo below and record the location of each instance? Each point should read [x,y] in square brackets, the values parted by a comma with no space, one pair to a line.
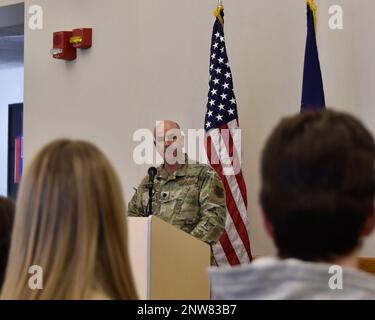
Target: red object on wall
[62,48]
[81,38]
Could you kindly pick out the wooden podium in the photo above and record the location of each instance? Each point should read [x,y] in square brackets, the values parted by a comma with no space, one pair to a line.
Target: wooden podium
[167,262]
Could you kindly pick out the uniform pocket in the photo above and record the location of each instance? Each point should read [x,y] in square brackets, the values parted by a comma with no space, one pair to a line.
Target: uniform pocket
[179,198]
[186,208]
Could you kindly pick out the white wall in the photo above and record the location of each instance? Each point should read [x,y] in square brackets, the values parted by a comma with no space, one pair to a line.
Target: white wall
[11,91]
[150,61]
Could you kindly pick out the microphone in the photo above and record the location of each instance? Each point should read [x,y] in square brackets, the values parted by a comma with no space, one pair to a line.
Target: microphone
[152,173]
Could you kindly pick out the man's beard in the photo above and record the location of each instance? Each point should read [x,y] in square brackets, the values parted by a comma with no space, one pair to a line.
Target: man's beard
[174,157]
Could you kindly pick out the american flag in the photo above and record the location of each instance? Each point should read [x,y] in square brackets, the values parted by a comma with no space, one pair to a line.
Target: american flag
[223,151]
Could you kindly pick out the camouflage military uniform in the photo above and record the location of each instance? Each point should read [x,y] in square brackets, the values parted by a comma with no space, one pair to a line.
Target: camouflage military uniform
[192,199]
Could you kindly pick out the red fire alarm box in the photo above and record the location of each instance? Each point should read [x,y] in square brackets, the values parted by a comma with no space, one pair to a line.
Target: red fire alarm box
[62,48]
[81,38]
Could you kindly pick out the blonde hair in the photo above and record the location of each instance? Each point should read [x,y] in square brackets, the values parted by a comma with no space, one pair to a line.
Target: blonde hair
[71,221]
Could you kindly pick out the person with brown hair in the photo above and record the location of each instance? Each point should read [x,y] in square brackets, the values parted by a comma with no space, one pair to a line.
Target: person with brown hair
[6,224]
[70,222]
[317,195]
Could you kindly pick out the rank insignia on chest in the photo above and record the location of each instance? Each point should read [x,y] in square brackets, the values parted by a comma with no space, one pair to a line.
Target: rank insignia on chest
[165,195]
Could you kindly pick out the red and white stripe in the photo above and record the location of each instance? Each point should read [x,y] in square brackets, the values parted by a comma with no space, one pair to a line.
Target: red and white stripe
[234,245]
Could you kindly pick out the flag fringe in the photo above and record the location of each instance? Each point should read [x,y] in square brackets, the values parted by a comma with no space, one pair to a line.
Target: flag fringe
[314,9]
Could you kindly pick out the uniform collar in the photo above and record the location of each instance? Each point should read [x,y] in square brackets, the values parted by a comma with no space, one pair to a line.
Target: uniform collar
[163,174]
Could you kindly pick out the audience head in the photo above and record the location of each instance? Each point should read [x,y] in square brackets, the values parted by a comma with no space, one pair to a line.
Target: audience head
[71,221]
[318,185]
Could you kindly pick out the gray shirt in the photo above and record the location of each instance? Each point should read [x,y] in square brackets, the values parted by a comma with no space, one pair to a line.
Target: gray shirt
[275,279]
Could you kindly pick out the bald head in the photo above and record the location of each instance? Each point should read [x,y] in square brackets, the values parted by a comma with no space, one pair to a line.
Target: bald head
[164,126]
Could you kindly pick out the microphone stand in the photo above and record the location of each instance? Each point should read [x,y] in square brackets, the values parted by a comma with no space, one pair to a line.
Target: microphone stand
[150,187]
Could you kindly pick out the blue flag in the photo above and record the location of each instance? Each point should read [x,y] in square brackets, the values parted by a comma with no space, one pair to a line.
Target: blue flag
[312,91]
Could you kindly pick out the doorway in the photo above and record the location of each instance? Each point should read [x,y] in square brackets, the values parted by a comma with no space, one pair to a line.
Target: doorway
[11,90]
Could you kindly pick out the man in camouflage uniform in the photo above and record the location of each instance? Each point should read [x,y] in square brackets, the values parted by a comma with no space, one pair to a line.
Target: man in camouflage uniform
[187,195]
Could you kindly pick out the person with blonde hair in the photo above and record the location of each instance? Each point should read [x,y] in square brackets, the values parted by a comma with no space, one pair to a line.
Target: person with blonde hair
[71,223]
